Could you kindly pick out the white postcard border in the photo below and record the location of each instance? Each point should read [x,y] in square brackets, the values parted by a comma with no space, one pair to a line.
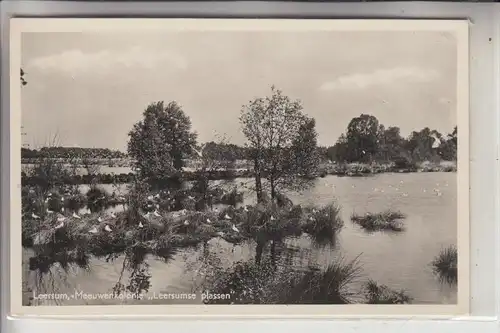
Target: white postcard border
[460,27]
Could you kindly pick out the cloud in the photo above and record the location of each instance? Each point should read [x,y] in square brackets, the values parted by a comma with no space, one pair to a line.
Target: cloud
[380,77]
[75,62]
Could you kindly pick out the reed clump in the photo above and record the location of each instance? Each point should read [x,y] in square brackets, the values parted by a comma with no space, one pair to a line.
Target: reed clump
[381,294]
[444,265]
[323,223]
[384,221]
[232,197]
[268,283]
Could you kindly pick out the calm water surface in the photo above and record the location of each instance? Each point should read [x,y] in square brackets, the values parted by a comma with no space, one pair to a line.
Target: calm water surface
[399,260]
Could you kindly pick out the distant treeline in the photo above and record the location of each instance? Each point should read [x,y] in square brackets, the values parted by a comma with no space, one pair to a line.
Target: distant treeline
[72,152]
[365,141]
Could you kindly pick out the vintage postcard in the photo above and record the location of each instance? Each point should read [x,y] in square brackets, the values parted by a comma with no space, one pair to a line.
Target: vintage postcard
[165,166]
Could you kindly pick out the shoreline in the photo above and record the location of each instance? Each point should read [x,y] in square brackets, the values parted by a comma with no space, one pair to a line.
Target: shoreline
[354,170]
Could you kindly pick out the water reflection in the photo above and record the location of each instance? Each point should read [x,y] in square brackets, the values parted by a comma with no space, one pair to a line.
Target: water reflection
[400,261]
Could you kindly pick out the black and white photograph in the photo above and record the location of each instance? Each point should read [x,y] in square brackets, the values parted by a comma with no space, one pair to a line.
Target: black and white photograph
[246,165]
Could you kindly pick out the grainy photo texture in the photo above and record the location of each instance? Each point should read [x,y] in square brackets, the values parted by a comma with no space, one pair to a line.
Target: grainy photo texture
[239,167]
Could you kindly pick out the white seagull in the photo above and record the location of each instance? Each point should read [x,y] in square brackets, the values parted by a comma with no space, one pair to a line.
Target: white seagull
[62,199]
[36,217]
[245,209]
[234,228]
[272,218]
[190,198]
[186,222]
[107,228]
[227,217]
[208,221]
[49,211]
[62,209]
[76,216]
[93,230]
[141,225]
[150,197]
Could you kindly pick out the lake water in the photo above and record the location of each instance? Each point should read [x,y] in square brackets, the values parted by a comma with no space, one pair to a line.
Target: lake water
[399,260]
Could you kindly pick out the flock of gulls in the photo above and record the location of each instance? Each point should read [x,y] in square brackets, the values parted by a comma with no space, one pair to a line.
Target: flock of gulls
[61,219]
[436,190]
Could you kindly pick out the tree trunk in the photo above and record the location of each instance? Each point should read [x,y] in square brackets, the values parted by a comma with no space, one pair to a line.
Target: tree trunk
[258,180]
[258,252]
[273,253]
[206,251]
[273,189]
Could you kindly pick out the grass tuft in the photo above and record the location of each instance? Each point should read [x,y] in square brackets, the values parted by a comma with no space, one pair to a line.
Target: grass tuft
[445,265]
[266,283]
[381,294]
[324,223]
[384,221]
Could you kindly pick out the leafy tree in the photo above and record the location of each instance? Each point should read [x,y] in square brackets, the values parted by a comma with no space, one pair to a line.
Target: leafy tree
[453,135]
[367,140]
[222,151]
[323,153]
[391,144]
[305,153]
[448,148]
[362,138]
[420,144]
[272,126]
[160,142]
[340,151]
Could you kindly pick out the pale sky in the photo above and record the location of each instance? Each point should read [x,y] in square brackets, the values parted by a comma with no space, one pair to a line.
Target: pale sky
[90,88]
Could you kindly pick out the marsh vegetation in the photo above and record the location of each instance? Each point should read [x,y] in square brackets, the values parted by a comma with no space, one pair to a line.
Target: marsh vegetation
[167,210]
